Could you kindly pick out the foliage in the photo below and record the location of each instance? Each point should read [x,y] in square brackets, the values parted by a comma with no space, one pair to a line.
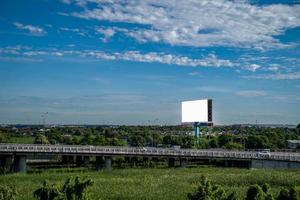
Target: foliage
[287,194]
[47,192]
[71,190]
[210,191]
[155,183]
[230,137]
[76,190]
[7,192]
[233,145]
[255,192]
[41,139]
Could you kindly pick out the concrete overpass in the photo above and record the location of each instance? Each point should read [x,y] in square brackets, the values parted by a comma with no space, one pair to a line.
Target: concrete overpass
[16,154]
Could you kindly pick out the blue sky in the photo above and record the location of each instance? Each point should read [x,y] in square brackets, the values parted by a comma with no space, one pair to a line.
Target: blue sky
[133,62]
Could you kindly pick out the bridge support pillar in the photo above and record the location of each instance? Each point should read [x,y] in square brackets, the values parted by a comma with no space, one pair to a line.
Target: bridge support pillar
[108,162]
[171,162]
[66,159]
[146,161]
[79,160]
[20,163]
[86,161]
[99,163]
[183,162]
[133,161]
[6,162]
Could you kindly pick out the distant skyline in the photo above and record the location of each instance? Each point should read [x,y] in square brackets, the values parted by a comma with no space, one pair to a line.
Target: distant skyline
[133,62]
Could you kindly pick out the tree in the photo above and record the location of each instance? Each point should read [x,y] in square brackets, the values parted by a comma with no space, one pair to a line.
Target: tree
[298,126]
[213,142]
[233,145]
[41,139]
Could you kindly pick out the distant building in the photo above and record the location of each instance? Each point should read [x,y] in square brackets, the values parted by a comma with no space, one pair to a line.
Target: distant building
[293,144]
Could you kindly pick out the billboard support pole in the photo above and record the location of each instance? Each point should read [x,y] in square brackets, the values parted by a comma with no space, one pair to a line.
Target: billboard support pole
[197,132]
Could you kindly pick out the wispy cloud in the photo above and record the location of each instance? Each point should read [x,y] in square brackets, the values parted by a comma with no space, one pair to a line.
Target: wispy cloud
[74,30]
[194,74]
[106,33]
[198,23]
[210,60]
[279,76]
[273,67]
[157,57]
[33,30]
[251,93]
[252,67]
[215,89]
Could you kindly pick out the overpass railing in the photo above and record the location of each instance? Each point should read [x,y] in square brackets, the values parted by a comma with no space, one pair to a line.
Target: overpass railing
[144,151]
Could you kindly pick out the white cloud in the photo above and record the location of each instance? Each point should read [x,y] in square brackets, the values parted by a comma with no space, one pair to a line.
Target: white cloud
[34,30]
[74,30]
[210,60]
[215,89]
[251,93]
[279,76]
[198,23]
[273,67]
[253,67]
[106,33]
[193,73]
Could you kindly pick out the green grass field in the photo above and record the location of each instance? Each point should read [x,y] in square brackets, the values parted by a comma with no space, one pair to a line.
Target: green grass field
[154,183]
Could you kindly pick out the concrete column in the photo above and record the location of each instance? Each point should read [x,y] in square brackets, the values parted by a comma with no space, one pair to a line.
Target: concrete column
[71,159]
[183,162]
[127,161]
[133,161]
[86,161]
[146,161]
[249,162]
[64,159]
[20,163]
[226,163]
[99,163]
[79,160]
[171,162]
[108,162]
[6,162]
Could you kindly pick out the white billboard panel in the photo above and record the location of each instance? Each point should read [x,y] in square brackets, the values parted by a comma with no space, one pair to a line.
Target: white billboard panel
[196,111]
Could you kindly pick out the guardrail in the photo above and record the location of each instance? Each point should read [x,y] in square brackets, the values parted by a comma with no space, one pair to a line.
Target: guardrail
[144,151]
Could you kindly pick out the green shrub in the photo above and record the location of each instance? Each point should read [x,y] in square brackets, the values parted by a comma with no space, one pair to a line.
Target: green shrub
[71,190]
[8,192]
[210,191]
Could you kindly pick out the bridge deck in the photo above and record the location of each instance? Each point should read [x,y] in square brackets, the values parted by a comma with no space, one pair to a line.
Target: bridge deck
[146,151]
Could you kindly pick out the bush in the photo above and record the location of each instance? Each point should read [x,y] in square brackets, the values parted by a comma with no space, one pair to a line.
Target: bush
[8,192]
[210,191]
[287,194]
[71,190]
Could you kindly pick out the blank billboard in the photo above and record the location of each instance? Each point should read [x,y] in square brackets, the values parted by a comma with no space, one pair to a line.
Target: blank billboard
[197,111]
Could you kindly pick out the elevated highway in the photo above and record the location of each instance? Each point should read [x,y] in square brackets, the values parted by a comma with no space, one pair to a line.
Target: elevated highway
[20,151]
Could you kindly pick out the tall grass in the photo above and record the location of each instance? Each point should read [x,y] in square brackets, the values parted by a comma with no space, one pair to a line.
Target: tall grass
[155,183]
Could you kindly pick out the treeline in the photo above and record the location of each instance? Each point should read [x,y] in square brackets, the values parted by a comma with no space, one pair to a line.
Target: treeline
[135,138]
[227,137]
